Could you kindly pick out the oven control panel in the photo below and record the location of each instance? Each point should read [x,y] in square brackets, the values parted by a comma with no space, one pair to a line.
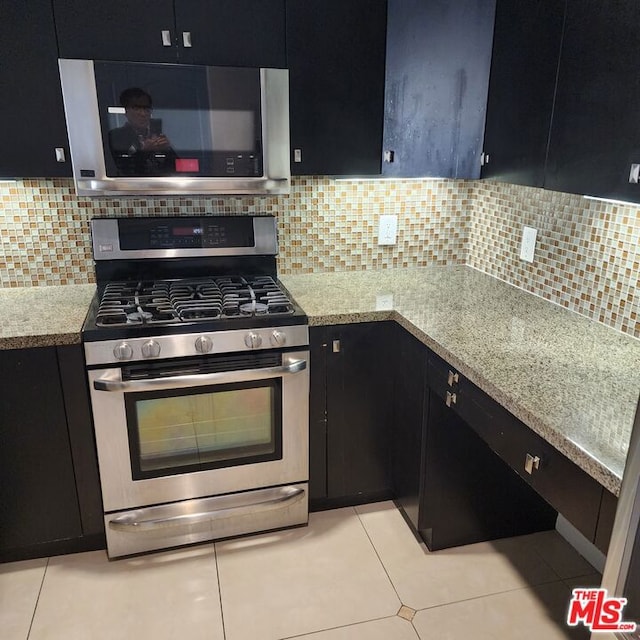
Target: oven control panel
[193,344]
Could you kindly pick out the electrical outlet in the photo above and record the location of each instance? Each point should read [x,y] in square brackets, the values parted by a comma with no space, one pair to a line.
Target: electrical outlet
[384,302]
[387,229]
[528,244]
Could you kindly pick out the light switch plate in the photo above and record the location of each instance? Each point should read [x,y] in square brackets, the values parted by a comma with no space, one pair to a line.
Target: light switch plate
[528,244]
[387,229]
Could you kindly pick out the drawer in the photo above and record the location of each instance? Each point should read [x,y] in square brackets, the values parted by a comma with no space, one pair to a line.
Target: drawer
[444,380]
[567,488]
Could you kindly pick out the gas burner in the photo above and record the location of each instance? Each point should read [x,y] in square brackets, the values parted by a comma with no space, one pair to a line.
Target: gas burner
[250,308]
[189,300]
[139,316]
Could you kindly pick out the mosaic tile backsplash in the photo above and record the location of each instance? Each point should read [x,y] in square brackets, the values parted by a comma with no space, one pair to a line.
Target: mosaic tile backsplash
[587,253]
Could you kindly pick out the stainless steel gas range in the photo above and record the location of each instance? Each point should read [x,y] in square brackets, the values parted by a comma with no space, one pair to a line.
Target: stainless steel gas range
[197,366]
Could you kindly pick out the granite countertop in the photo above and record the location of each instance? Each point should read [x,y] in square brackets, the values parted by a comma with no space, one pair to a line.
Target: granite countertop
[43,316]
[571,380]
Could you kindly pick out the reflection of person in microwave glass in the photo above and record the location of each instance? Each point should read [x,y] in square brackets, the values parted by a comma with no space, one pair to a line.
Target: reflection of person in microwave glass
[139,147]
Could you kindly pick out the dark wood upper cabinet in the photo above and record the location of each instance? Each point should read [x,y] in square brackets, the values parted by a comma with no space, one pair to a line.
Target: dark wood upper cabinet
[116,30]
[235,33]
[595,135]
[437,75]
[214,32]
[335,55]
[33,124]
[526,52]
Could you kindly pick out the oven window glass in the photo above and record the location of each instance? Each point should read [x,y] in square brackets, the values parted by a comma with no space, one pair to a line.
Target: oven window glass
[179,120]
[204,427]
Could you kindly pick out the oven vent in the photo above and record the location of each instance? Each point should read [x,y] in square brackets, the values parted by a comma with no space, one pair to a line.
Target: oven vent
[201,365]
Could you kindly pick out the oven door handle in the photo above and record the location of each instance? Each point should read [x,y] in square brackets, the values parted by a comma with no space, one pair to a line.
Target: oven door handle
[198,380]
[135,522]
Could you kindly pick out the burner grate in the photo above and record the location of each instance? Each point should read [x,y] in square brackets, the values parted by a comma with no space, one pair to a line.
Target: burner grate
[187,300]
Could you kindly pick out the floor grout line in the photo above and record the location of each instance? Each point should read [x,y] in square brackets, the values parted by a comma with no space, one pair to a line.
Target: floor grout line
[215,557]
[35,608]
[373,546]
[343,626]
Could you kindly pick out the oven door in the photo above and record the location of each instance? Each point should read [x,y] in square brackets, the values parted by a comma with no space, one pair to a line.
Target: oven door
[176,430]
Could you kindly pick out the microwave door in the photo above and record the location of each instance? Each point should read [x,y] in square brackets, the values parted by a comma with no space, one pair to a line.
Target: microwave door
[147,129]
[621,576]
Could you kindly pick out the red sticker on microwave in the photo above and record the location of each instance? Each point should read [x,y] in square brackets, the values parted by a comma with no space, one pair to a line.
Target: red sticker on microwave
[187,165]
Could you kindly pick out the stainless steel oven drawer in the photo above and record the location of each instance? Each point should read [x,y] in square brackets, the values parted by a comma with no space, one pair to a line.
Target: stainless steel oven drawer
[199,520]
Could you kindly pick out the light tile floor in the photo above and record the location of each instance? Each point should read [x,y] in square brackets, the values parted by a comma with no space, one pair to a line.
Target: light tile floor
[352,574]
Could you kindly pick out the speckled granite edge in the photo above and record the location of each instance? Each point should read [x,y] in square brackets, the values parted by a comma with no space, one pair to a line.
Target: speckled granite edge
[351,318]
[570,449]
[43,316]
[43,340]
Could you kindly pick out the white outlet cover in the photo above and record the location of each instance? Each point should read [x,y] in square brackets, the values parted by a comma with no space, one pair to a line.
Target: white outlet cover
[387,229]
[528,244]
[384,302]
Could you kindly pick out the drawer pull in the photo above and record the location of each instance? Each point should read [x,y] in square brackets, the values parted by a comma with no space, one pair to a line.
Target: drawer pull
[335,347]
[451,398]
[452,378]
[531,463]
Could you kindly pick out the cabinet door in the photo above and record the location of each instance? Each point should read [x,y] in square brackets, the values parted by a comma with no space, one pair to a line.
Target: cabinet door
[115,30]
[595,135]
[335,54]
[526,52]
[77,406]
[359,411]
[39,502]
[33,123]
[438,59]
[237,33]
[318,413]
[410,388]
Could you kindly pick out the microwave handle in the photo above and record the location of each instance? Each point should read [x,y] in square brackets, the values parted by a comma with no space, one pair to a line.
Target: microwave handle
[198,380]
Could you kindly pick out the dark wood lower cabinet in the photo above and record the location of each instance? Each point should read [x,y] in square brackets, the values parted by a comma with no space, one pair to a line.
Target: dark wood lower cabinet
[470,495]
[389,418]
[357,386]
[606,518]
[49,490]
[410,399]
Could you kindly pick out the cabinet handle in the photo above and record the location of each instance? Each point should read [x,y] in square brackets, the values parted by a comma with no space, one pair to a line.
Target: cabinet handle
[452,378]
[186,39]
[336,346]
[297,155]
[389,156]
[451,399]
[531,463]
[166,38]
[60,155]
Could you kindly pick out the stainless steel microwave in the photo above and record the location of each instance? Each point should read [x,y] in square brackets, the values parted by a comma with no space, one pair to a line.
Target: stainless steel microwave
[169,129]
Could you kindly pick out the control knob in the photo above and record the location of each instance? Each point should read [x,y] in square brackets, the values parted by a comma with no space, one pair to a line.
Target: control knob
[204,344]
[123,351]
[253,340]
[151,349]
[278,338]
